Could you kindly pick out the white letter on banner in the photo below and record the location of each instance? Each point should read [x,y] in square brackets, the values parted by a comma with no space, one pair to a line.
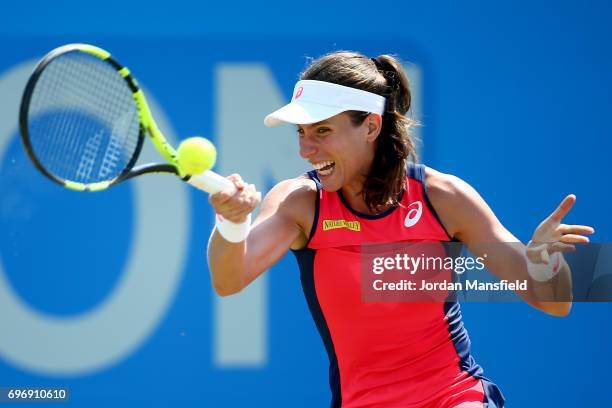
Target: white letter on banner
[115,328]
[246,93]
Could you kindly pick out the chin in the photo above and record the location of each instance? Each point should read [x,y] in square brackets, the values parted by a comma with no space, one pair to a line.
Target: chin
[331,186]
[330,189]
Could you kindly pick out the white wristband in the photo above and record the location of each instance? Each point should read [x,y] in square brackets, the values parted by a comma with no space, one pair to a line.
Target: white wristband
[231,231]
[544,272]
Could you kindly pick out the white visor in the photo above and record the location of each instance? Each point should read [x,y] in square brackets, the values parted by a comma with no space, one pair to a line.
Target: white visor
[314,101]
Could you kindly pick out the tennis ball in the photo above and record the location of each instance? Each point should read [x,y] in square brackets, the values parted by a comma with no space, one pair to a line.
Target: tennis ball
[196,155]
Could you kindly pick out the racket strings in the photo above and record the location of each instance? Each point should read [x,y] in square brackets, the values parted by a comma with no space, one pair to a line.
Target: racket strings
[111,82]
[93,145]
[83,123]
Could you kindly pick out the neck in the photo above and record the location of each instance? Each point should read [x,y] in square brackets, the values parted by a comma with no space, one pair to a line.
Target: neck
[357,202]
[353,188]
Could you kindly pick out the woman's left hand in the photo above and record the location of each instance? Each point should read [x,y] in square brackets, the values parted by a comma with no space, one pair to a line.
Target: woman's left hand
[553,236]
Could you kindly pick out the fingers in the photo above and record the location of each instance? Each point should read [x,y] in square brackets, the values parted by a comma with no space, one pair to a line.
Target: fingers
[563,208]
[540,252]
[235,206]
[574,233]
[574,239]
[576,229]
[219,198]
[551,236]
[238,182]
[537,252]
[561,247]
[224,195]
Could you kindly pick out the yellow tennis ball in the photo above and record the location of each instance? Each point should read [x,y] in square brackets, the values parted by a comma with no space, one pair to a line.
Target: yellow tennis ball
[196,155]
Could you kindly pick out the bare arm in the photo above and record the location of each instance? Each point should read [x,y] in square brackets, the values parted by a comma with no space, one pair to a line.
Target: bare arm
[469,219]
[278,227]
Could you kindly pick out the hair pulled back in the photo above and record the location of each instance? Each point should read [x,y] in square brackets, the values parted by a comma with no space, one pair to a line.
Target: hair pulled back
[385,76]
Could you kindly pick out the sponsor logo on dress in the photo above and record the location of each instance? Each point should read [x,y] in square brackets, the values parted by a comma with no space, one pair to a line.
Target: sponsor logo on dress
[335,224]
[415,210]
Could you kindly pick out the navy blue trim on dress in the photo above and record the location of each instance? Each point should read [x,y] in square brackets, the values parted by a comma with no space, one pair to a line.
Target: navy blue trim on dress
[305,258]
[461,340]
[315,221]
[362,215]
[493,397]
[417,172]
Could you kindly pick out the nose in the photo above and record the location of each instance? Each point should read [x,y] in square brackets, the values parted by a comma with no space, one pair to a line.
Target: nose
[307,147]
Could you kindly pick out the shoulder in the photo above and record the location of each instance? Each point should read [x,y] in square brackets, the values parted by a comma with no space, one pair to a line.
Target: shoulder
[456,201]
[294,191]
[292,201]
[443,185]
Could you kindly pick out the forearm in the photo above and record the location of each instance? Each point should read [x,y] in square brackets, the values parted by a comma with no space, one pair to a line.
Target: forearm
[509,261]
[553,296]
[227,264]
[240,251]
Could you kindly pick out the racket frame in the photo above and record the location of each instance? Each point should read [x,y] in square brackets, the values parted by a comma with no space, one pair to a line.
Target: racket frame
[147,125]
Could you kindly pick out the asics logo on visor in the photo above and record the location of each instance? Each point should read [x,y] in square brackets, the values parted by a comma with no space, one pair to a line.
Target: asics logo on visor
[323,100]
[298,93]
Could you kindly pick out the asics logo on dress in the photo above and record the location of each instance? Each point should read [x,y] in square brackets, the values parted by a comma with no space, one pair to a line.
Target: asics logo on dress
[415,210]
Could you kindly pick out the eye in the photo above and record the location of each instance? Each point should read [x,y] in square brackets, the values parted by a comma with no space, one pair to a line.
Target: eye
[300,132]
[323,130]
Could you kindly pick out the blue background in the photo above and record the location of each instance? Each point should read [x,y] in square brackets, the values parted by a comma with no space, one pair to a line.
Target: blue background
[516,100]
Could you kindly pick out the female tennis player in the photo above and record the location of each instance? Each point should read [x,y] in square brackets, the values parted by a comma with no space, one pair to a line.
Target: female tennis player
[351,124]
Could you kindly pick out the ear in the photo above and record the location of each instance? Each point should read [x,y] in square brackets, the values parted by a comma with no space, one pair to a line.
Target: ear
[374,124]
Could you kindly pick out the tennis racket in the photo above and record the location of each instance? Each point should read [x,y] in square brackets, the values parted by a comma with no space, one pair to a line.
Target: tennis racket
[84,119]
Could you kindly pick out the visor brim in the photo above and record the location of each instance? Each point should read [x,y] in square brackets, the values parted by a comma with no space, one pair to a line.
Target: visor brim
[302,113]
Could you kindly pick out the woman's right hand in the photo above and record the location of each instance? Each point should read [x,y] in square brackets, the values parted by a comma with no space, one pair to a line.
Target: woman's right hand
[237,206]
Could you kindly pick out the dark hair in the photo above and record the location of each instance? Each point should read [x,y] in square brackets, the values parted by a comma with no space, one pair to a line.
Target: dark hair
[384,76]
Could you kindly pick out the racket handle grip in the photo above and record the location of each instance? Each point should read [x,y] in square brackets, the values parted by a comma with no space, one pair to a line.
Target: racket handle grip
[211,182]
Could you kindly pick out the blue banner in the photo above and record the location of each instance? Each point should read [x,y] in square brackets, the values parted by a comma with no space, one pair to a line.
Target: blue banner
[108,296]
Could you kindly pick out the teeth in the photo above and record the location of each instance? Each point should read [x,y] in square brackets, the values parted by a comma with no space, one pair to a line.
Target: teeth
[325,168]
[320,165]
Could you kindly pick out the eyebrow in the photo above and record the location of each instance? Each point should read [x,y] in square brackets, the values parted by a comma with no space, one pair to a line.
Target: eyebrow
[323,122]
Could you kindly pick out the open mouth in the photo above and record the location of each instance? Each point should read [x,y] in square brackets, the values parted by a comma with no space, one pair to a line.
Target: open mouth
[325,168]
